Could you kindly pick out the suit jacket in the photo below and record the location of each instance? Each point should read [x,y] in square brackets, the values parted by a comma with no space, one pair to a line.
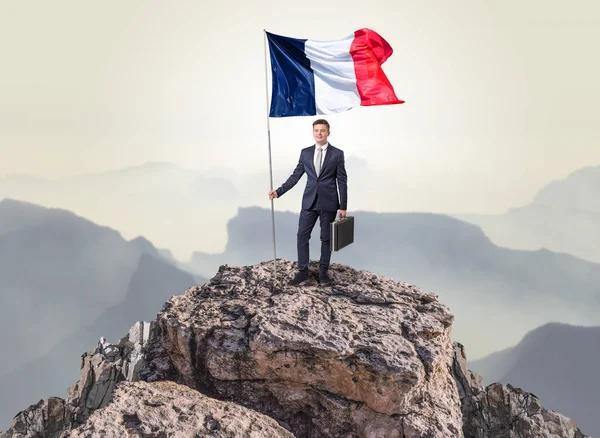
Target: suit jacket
[332,171]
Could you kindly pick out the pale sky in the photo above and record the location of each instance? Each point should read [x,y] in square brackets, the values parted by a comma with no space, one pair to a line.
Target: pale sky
[501,96]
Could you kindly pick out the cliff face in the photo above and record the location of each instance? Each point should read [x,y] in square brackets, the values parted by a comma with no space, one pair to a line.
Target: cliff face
[503,411]
[364,357]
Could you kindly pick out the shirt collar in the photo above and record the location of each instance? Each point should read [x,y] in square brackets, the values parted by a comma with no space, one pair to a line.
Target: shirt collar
[322,147]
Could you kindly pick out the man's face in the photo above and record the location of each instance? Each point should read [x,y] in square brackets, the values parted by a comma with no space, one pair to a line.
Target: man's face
[320,133]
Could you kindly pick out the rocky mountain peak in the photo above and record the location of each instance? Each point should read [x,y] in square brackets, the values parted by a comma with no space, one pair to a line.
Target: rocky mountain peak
[366,356]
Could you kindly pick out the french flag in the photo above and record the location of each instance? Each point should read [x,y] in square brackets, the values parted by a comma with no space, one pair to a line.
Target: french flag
[313,77]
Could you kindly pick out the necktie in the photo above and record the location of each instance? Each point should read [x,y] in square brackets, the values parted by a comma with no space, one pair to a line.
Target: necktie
[318,163]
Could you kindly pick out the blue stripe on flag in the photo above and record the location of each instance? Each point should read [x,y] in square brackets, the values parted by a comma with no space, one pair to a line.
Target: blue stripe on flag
[293,91]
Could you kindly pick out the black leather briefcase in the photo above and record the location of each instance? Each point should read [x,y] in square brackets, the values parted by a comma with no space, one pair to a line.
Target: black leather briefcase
[341,233]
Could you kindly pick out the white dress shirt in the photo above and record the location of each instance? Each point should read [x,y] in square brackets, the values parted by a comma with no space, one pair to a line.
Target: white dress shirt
[324,148]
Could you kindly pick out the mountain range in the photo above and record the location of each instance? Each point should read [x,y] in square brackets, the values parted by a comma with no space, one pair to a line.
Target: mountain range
[564,216]
[181,209]
[558,363]
[145,200]
[65,282]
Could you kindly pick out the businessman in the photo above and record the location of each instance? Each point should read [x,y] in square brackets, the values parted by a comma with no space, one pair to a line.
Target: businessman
[326,173]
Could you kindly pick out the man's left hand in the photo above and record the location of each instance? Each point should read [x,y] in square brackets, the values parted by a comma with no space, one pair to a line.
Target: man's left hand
[342,214]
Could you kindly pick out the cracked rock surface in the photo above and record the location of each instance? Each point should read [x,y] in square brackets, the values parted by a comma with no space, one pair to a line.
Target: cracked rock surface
[365,356]
[101,369]
[503,411]
[166,409]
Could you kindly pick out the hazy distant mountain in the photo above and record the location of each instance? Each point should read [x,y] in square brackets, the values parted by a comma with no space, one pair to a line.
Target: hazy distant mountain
[558,363]
[58,272]
[564,217]
[495,365]
[185,210]
[171,206]
[497,294]
[180,209]
[579,191]
[152,283]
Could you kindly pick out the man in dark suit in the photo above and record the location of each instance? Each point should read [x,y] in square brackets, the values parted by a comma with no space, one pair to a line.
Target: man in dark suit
[324,166]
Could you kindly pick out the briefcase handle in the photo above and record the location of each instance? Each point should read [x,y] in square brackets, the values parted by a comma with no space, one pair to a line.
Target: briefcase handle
[339,219]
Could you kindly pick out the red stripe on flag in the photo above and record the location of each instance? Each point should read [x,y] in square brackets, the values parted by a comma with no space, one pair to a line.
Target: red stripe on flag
[369,50]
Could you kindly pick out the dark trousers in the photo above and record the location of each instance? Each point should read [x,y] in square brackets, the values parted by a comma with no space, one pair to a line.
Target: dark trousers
[308,218]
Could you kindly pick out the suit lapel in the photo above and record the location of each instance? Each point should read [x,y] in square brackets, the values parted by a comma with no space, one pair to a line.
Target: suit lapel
[311,156]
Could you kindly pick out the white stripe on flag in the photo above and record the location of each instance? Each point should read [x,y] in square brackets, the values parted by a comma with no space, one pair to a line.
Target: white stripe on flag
[333,68]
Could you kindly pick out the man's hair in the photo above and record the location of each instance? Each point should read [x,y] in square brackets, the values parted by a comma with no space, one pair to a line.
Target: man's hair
[321,122]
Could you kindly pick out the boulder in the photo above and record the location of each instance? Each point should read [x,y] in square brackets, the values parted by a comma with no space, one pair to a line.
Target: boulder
[367,356]
[166,409]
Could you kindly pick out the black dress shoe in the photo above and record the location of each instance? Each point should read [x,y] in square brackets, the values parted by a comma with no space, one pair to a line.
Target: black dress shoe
[300,277]
[324,278]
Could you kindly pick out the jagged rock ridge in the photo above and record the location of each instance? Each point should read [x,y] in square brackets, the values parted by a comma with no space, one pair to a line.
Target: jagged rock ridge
[365,357]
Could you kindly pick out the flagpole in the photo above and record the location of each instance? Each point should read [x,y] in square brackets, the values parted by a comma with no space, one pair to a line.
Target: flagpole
[270,163]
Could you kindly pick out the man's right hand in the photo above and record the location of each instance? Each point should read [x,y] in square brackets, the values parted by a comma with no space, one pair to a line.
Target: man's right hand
[272,194]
